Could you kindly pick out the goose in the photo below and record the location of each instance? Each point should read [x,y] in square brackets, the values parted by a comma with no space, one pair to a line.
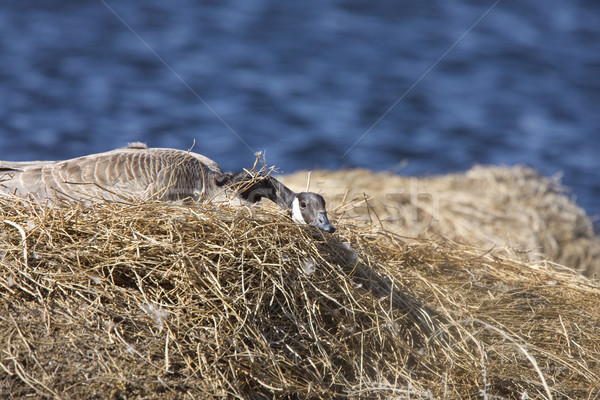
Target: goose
[143,173]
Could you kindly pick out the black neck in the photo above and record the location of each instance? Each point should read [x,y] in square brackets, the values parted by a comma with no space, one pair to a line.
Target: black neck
[255,187]
[282,195]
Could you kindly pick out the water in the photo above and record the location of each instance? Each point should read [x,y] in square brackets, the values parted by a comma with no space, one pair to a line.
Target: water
[431,89]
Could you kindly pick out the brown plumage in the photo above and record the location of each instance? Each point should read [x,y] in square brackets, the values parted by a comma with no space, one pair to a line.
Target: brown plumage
[133,172]
[140,173]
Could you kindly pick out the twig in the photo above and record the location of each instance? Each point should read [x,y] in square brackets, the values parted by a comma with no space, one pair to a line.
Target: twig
[23,238]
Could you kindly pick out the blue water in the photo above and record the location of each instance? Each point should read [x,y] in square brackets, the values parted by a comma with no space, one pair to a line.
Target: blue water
[431,87]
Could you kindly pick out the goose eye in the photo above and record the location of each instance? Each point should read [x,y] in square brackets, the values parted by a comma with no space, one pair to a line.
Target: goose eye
[302,204]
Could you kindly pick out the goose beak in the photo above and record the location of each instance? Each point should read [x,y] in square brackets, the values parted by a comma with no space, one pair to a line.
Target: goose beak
[322,222]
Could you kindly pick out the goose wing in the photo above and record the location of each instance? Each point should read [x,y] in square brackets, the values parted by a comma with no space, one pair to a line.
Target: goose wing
[123,174]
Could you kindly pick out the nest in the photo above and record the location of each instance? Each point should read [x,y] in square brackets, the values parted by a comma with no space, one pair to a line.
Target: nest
[155,300]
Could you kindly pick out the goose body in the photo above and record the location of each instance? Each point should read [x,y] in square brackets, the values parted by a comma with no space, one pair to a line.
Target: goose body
[133,172]
[137,172]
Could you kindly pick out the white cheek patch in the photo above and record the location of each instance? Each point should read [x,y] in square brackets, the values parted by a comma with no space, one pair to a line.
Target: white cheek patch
[296,213]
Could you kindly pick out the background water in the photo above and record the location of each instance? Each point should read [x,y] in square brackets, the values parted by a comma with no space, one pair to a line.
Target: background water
[430,87]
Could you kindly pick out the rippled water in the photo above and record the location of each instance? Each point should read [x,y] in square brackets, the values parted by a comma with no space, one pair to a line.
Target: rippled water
[434,87]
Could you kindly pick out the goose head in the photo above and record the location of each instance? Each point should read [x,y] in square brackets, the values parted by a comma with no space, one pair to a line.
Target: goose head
[309,208]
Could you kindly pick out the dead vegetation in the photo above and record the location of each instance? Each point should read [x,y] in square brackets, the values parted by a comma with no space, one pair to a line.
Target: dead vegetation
[513,211]
[154,300]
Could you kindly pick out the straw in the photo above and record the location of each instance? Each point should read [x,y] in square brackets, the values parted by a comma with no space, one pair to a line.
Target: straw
[157,300]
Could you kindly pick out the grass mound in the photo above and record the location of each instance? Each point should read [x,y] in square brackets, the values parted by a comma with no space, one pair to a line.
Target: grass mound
[513,210]
[156,300]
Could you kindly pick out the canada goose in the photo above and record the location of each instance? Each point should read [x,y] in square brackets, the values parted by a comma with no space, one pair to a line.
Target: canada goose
[139,172]
[305,207]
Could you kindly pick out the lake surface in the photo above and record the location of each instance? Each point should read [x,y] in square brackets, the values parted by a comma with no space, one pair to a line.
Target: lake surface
[412,87]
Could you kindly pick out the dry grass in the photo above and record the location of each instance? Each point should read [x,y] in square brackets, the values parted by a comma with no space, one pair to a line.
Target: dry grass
[153,300]
[514,211]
